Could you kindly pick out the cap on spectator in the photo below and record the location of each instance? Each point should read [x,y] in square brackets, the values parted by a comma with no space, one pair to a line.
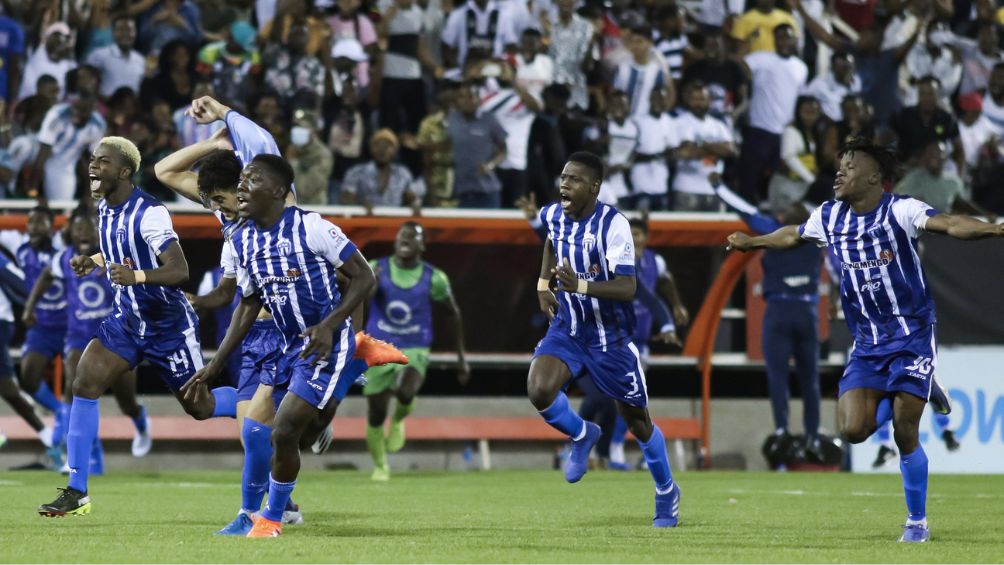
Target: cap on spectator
[244,34]
[349,48]
[971,101]
[387,135]
[56,27]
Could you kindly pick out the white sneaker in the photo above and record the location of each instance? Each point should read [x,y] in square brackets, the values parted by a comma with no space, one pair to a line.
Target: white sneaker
[142,442]
[45,436]
[292,517]
[323,441]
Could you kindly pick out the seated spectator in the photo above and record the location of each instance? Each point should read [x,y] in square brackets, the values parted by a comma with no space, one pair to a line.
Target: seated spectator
[175,77]
[12,55]
[615,139]
[54,57]
[311,160]
[930,182]
[437,155]
[230,65]
[479,147]
[799,146]
[642,73]
[189,131]
[932,58]
[289,69]
[755,28]
[484,26]
[120,65]
[350,23]
[726,79]
[295,14]
[650,172]
[832,87]
[167,21]
[69,132]
[703,143]
[381,182]
[978,57]
[571,37]
[916,125]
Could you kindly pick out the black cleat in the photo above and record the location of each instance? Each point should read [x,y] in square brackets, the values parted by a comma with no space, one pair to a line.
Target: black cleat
[884,455]
[939,399]
[950,442]
[70,502]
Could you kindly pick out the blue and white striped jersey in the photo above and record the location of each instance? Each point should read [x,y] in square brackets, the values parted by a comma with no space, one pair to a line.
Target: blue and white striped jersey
[882,283]
[597,248]
[291,266]
[12,288]
[133,234]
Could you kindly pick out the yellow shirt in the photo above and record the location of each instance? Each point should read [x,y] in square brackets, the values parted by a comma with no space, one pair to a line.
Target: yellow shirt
[759,28]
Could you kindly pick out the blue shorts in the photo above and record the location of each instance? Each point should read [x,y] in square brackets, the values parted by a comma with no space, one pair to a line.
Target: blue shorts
[319,384]
[903,365]
[47,342]
[77,341]
[175,355]
[617,372]
[259,357]
[6,363]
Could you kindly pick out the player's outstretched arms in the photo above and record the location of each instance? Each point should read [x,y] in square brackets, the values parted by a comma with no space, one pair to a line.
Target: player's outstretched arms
[175,170]
[172,272]
[963,227]
[784,238]
[240,324]
[621,288]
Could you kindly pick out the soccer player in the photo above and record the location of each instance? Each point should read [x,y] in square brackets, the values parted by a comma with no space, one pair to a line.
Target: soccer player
[287,258]
[590,253]
[12,292]
[90,299]
[890,373]
[152,318]
[401,314]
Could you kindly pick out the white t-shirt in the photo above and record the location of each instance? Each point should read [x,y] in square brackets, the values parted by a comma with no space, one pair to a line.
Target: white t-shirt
[974,137]
[655,136]
[39,64]
[455,31]
[994,114]
[514,117]
[692,174]
[68,143]
[623,139]
[535,76]
[776,83]
[831,93]
[118,70]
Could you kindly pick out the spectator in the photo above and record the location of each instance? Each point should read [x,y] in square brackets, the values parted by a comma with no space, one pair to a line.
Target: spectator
[479,25]
[777,79]
[269,114]
[799,146]
[437,155]
[189,131]
[349,23]
[571,37]
[978,57]
[704,142]
[727,81]
[168,21]
[980,139]
[932,58]
[642,73]
[917,125]
[615,139]
[993,100]
[672,41]
[174,80]
[231,64]
[346,61]
[756,28]
[290,70]
[546,154]
[120,65]
[70,131]
[347,132]
[381,182]
[831,88]
[649,171]
[940,189]
[534,70]
[11,55]
[24,148]
[123,110]
[311,160]
[54,58]
[97,32]
[85,78]
[294,17]
[47,87]
[479,146]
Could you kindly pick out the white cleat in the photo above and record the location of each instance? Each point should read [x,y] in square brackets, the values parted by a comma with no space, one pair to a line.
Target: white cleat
[45,436]
[323,441]
[142,442]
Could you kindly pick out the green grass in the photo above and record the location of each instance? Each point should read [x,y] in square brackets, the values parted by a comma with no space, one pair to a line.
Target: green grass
[508,517]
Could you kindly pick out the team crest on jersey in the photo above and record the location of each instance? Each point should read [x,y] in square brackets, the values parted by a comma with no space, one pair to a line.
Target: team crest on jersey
[589,242]
[121,235]
[284,247]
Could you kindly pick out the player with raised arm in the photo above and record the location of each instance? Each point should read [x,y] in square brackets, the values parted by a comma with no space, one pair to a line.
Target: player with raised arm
[152,319]
[589,251]
[890,373]
[288,258]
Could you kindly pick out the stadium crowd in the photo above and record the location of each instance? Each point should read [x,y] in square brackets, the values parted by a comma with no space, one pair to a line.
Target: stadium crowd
[424,103]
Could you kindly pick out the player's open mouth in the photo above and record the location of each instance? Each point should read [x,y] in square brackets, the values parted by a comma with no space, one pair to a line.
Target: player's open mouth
[95,183]
[242,204]
[565,200]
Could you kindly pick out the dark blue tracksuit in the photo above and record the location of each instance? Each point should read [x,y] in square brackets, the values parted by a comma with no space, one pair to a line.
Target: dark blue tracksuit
[791,322]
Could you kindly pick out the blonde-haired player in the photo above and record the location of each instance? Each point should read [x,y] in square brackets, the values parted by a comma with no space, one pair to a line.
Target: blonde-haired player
[152,320]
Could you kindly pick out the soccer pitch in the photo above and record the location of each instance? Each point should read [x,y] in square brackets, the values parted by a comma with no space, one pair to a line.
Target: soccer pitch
[508,516]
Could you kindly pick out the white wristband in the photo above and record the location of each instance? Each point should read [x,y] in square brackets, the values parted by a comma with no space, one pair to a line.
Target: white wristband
[543,284]
[98,259]
[582,287]
[140,277]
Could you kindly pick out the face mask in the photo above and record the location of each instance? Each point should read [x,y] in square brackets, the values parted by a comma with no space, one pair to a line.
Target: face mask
[299,136]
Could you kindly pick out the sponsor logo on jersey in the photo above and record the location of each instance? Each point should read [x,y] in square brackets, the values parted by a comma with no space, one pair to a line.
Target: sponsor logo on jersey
[885,257]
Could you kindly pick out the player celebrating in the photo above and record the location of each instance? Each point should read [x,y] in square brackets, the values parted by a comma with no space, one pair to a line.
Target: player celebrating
[589,250]
[12,292]
[287,257]
[401,313]
[885,292]
[152,318]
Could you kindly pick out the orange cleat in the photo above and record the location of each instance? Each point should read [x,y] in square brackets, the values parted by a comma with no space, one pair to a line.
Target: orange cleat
[376,352]
[265,528]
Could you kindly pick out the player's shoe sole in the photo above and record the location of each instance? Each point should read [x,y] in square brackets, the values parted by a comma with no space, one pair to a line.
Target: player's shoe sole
[578,459]
[376,352]
[80,511]
[70,502]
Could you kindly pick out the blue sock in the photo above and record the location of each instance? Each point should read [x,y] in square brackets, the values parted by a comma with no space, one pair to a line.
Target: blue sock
[257,462]
[941,420]
[140,421]
[658,460]
[82,432]
[620,430]
[226,402]
[62,421]
[563,418]
[883,411]
[914,470]
[45,397]
[883,433]
[278,495]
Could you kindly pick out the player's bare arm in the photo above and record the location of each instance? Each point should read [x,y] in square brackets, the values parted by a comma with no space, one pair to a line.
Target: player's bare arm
[172,272]
[175,170]
[219,297]
[667,288]
[963,227]
[41,287]
[548,302]
[463,368]
[619,288]
[362,281]
[82,265]
[784,238]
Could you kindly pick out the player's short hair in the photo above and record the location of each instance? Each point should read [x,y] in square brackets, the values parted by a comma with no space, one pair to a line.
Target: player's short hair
[278,167]
[45,211]
[640,224]
[126,148]
[218,171]
[415,226]
[590,160]
[882,155]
